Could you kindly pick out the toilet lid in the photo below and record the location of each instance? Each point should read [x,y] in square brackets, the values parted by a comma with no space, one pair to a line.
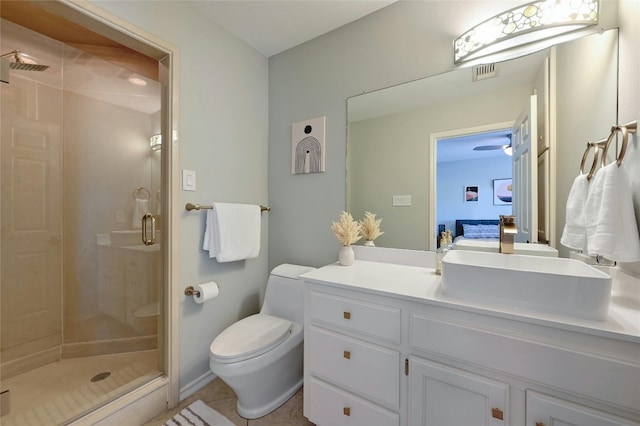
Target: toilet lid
[249,337]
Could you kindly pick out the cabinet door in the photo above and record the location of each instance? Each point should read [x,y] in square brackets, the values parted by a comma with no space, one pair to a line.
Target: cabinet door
[544,410]
[440,395]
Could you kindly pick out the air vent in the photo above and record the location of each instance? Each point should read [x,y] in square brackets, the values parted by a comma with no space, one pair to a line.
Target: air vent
[482,72]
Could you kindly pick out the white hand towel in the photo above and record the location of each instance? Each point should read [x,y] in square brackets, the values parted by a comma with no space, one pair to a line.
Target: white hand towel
[574,234]
[611,226]
[232,232]
[140,208]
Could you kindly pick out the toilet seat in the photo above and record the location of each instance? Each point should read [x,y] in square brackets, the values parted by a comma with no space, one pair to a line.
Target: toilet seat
[249,337]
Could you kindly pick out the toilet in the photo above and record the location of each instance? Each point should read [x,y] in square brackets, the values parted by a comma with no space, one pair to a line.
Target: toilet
[260,357]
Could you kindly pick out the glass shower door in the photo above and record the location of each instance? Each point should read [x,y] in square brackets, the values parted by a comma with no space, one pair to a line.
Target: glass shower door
[80,292]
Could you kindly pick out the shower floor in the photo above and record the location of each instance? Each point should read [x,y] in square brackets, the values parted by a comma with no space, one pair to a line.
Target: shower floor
[62,390]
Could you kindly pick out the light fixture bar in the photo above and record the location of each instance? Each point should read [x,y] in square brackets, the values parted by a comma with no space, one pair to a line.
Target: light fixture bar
[524,24]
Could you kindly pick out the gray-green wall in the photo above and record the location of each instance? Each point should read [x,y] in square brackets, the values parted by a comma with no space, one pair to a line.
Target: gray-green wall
[389,156]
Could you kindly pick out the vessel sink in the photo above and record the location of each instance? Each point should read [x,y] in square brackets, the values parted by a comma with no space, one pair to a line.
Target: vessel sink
[559,286]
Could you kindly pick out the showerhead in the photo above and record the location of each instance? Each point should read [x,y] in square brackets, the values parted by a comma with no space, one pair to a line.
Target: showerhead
[22,62]
[27,67]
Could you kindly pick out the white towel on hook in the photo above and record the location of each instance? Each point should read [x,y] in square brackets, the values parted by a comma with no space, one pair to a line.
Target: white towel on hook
[574,234]
[232,232]
[140,208]
[611,225]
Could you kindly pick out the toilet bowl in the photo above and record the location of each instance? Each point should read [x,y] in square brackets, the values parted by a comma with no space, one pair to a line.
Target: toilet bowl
[260,357]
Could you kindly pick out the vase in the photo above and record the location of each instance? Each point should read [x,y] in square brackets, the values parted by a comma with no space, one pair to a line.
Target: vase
[369,243]
[346,256]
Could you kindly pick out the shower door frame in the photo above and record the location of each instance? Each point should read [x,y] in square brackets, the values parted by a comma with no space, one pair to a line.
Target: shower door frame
[162,392]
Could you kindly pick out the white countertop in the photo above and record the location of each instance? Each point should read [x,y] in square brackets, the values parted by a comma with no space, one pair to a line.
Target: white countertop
[421,284]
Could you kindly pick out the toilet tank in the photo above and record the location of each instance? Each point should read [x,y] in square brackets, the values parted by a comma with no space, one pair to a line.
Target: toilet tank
[284,297]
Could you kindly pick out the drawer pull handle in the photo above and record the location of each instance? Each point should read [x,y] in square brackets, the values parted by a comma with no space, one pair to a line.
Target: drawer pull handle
[539,424]
[346,411]
[346,315]
[347,354]
[497,413]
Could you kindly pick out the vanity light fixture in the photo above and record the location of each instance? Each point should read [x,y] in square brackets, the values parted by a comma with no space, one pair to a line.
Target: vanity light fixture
[508,150]
[526,24]
[156,142]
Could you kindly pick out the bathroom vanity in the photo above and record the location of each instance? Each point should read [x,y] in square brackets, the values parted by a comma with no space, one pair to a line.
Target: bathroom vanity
[385,346]
[128,276]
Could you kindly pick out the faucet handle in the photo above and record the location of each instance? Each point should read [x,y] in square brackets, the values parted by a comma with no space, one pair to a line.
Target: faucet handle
[508,219]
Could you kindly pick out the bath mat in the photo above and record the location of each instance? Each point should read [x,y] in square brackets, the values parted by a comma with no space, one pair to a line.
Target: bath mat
[199,414]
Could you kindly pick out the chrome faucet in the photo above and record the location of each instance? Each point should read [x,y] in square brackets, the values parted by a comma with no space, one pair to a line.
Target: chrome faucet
[508,232]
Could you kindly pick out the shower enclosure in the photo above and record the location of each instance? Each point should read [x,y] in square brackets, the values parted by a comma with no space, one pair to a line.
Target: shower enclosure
[80,292]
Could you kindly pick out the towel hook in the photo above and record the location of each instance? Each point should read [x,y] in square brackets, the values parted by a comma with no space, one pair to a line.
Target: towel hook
[141,191]
[625,129]
[596,146]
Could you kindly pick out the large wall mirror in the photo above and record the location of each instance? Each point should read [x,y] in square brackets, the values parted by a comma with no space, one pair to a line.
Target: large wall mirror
[410,150]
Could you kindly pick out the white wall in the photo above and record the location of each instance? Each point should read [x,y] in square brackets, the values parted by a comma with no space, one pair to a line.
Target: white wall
[223,137]
[402,42]
[585,112]
[629,97]
[453,176]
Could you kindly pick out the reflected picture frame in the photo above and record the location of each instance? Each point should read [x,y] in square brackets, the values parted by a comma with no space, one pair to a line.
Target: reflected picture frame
[502,192]
[471,193]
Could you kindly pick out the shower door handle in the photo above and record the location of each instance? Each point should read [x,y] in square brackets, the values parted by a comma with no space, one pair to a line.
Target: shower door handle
[148,238]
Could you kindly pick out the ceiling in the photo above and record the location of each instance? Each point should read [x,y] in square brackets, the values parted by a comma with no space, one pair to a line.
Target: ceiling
[269,26]
[273,26]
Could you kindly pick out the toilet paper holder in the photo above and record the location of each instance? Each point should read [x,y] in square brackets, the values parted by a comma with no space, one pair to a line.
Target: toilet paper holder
[191,291]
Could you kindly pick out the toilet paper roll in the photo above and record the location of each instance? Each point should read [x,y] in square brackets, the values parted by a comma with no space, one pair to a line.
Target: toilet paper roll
[206,291]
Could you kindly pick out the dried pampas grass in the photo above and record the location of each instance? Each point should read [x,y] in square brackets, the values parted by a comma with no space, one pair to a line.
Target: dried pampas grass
[346,230]
[370,226]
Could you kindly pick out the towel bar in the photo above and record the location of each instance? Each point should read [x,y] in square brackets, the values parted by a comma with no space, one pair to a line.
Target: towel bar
[190,206]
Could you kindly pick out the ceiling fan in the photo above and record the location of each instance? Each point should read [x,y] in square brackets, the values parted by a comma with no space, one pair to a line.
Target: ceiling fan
[505,147]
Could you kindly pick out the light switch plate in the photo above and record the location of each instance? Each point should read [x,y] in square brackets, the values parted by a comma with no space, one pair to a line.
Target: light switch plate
[402,200]
[188,180]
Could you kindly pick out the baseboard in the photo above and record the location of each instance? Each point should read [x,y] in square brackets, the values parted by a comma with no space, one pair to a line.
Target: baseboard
[197,384]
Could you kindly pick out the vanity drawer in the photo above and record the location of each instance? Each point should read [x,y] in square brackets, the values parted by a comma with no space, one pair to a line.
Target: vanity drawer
[365,369]
[373,320]
[331,406]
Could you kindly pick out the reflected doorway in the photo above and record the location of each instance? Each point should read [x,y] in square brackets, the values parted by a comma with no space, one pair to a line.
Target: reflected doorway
[467,163]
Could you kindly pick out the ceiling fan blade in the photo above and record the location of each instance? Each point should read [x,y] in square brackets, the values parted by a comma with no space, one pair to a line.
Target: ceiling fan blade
[489,147]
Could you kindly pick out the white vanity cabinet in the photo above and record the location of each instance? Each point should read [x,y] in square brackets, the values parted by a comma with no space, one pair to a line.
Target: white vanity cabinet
[383,348]
[352,360]
[128,278]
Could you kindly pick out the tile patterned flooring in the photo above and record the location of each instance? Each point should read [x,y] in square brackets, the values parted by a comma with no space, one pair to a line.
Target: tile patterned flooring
[221,398]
